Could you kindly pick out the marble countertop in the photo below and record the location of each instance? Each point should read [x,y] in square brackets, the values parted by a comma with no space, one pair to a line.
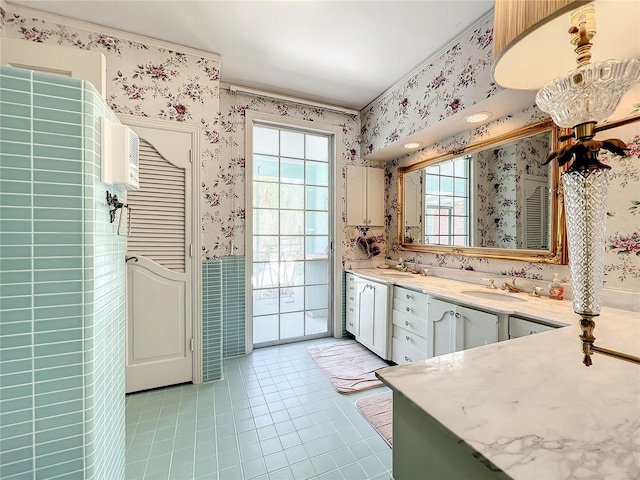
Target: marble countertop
[555,312]
[531,408]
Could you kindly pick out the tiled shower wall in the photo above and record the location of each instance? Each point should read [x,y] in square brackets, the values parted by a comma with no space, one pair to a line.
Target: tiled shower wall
[62,295]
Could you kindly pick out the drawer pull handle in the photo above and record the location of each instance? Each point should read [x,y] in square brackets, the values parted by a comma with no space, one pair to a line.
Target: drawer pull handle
[407,359]
[532,332]
[408,338]
[406,322]
[408,309]
[408,297]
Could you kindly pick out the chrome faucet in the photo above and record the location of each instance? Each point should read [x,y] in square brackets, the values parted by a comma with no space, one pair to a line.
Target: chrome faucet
[511,287]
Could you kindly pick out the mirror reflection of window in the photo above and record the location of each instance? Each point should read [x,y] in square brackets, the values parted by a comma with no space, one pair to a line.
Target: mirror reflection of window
[447,202]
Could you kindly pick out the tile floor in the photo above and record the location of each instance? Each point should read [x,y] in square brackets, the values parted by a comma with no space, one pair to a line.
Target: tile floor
[274,416]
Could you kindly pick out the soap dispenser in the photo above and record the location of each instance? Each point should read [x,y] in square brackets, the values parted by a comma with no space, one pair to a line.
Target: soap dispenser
[556,290]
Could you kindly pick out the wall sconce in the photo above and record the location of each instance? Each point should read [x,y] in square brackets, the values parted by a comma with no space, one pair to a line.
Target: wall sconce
[528,49]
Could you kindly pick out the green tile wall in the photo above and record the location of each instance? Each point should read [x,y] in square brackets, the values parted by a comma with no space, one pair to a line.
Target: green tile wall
[62,286]
[211,320]
[233,306]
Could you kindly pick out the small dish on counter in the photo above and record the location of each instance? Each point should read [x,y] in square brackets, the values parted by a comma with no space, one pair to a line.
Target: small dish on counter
[383,266]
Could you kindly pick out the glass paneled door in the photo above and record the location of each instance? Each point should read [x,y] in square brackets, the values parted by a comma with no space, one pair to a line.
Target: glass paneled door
[291,235]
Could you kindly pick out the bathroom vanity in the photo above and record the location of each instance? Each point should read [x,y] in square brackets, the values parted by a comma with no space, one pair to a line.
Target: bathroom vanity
[526,408]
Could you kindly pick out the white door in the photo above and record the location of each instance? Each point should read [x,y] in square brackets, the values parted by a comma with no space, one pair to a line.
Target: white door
[159,307]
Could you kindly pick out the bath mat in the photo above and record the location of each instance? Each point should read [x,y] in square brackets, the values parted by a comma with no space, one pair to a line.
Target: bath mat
[347,365]
[377,410]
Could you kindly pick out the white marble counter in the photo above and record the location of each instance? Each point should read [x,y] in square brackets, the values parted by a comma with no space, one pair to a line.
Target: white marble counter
[531,408]
[555,312]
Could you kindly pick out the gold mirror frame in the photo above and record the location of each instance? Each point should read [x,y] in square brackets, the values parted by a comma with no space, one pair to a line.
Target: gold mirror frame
[557,254]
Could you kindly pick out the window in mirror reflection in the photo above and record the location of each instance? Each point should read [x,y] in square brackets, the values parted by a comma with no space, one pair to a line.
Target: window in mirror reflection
[446,218]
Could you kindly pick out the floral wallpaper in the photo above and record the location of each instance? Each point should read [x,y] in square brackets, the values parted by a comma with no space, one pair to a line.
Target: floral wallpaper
[146,81]
[453,80]
[622,259]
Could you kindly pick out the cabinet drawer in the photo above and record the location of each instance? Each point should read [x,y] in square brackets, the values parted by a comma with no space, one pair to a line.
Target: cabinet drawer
[411,297]
[410,339]
[351,325]
[403,353]
[409,322]
[522,328]
[417,310]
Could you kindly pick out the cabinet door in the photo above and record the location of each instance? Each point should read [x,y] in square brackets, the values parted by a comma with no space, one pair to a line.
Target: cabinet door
[441,336]
[475,328]
[365,297]
[521,328]
[356,195]
[381,326]
[375,197]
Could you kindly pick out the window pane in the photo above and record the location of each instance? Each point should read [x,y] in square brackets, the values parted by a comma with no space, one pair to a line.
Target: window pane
[265,302]
[316,322]
[265,140]
[291,196]
[291,299]
[291,273]
[461,186]
[446,185]
[265,195]
[265,248]
[265,329]
[292,325]
[265,168]
[446,168]
[317,223]
[318,148]
[316,247]
[292,222]
[317,198]
[432,170]
[265,274]
[317,296]
[433,184]
[291,248]
[461,167]
[291,144]
[265,222]
[317,272]
[291,170]
[317,173]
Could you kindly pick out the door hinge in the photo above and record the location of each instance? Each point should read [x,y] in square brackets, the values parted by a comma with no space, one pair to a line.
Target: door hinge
[191,156]
[191,250]
[191,344]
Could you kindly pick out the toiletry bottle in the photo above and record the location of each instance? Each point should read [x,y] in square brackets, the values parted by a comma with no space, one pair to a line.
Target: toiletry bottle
[556,290]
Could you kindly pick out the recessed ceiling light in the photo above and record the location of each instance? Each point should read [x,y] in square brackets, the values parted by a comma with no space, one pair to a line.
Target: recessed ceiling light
[479,117]
[412,145]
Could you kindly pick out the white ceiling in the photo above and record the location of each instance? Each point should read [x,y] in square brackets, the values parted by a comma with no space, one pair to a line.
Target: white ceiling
[344,53]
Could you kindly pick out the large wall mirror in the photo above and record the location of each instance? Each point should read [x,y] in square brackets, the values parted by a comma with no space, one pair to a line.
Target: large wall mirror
[494,199]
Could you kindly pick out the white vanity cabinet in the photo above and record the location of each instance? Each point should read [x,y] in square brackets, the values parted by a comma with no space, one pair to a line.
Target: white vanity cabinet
[365,196]
[519,327]
[367,315]
[409,318]
[453,328]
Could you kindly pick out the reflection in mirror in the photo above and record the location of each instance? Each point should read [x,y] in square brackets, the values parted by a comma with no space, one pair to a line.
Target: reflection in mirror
[495,195]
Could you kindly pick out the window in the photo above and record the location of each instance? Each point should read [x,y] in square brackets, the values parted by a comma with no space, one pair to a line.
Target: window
[447,203]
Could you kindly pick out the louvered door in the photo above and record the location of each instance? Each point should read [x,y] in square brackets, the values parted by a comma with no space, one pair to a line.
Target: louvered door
[535,216]
[158,288]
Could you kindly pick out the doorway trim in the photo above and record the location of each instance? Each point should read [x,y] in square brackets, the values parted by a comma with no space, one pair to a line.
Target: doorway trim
[196,229]
[335,175]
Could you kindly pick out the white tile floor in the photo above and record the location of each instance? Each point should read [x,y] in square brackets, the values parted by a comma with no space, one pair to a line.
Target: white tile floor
[274,416]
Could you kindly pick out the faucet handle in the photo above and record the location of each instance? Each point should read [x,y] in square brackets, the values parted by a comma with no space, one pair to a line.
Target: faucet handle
[491,281]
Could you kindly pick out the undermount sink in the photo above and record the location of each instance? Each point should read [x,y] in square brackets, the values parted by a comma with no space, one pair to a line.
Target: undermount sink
[397,274]
[500,297]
